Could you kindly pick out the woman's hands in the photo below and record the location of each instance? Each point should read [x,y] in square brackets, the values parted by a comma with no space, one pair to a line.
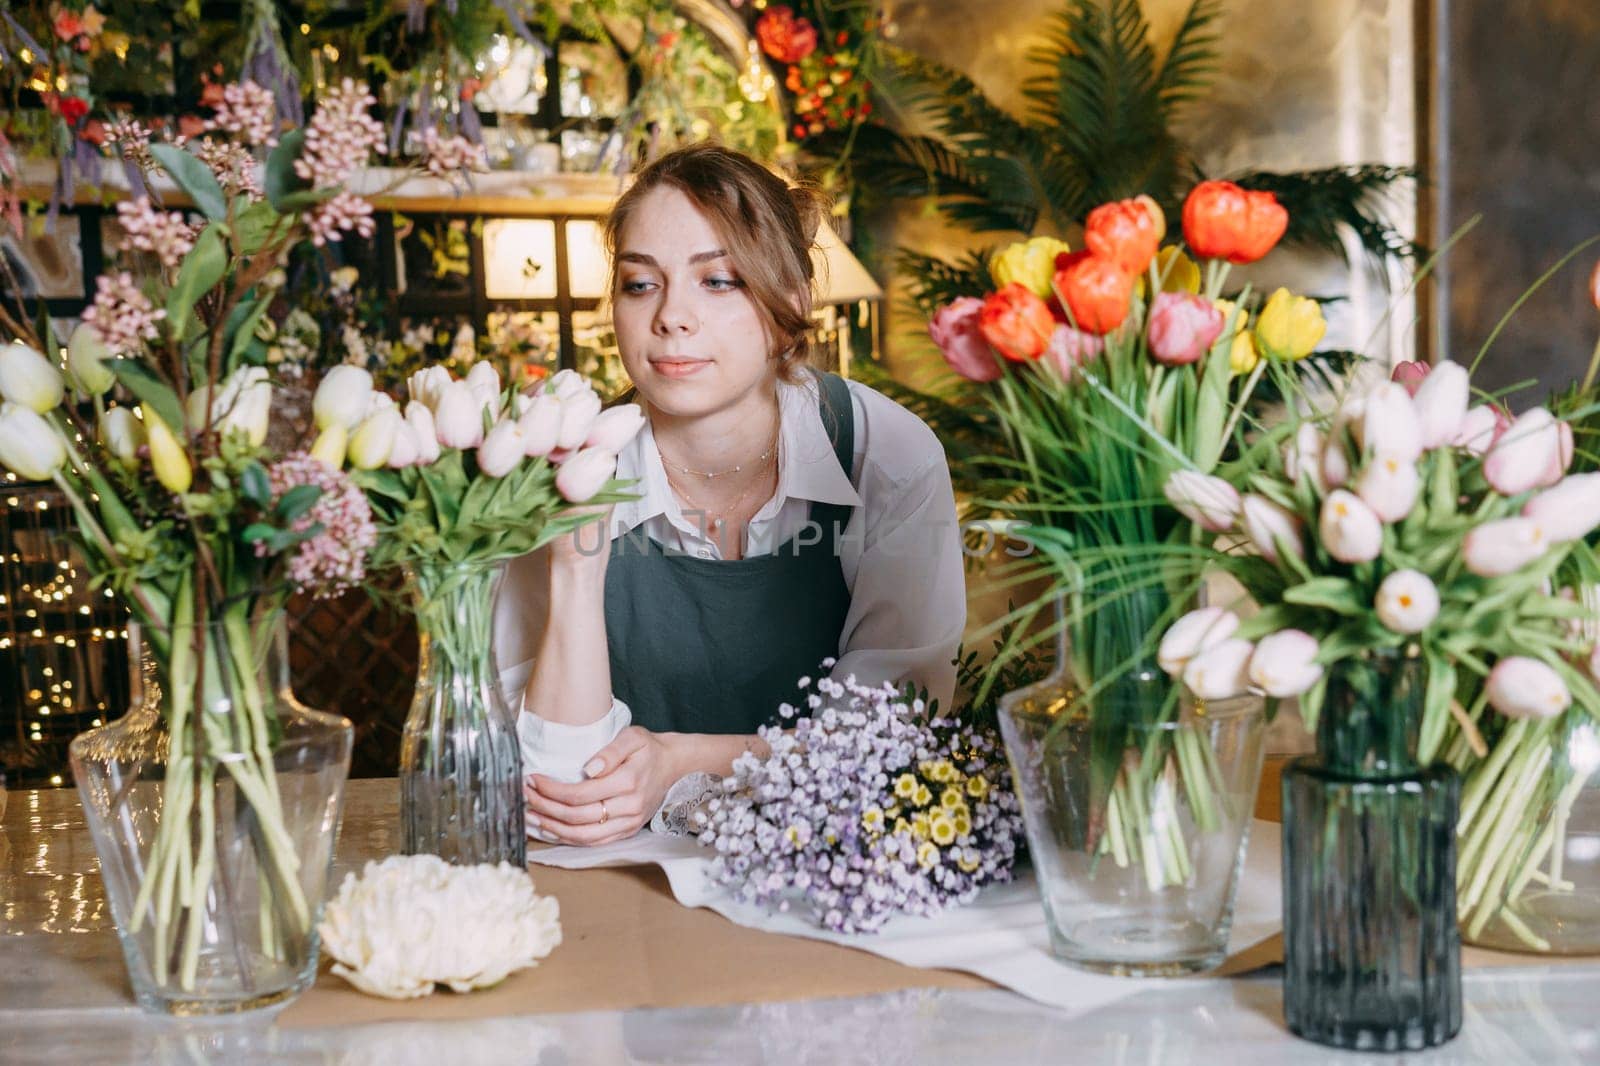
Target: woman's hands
[627,781]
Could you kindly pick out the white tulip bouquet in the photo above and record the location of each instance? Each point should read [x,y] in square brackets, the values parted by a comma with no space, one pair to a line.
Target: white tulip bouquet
[463,478]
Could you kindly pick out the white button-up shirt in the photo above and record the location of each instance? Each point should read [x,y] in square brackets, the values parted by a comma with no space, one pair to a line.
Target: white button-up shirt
[900,556]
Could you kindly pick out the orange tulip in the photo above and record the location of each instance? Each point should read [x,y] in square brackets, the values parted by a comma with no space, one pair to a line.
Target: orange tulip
[1097,292]
[1223,221]
[1016,322]
[1125,232]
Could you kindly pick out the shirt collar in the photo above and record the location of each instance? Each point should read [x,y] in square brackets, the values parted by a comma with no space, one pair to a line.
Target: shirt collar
[807,466]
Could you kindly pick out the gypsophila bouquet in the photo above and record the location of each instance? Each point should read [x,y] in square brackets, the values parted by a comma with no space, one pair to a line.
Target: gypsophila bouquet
[870,805]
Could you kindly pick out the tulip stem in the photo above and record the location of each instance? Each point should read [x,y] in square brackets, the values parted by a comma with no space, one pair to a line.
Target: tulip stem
[1238,408]
[1594,365]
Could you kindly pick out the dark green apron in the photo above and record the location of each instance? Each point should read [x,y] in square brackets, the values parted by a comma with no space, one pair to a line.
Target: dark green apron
[715,645]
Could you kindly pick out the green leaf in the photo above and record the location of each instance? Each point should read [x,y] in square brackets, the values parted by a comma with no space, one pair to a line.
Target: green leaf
[150,389]
[257,531]
[252,226]
[241,328]
[202,268]
[296,502]
[254,484]
[279,178]
[194,178]
[1336,594]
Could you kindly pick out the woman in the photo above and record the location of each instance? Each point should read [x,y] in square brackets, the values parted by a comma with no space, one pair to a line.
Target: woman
[784,518]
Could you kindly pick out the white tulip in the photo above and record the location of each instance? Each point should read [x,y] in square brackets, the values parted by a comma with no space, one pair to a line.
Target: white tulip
[501,450]
[567,383]
[373,439]
[1503,547]
[343,397]
[1526,454]
[1270,526]
[428,384]
[1479,429]
[330,445]
[541,424]
[1209,502]
[585,474]
[458,417]
[87,356]
[1195,632]
[1441,403]
[1389,424]
[420,419]
[1349,529]
[1285,663]
[1303,455]
[1407,601]
[407,446]
[29,445]
[578,412]
[29,379]
[1389,485]
[122,433]
[1220,672]
[484,381]
[1520,687]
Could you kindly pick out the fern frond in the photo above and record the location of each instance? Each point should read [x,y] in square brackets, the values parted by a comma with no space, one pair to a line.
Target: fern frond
[1192,59]
[935,282]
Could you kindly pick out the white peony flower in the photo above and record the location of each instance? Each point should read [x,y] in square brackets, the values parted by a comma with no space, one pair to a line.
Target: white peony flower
[412,921]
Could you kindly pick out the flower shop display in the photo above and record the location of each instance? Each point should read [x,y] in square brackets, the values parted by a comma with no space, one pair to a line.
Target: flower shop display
[467,475]
[215,803]
[870,805]
[412,922]
[1121,391]
[1397,543]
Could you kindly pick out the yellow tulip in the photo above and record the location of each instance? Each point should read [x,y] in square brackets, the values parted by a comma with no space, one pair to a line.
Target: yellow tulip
[1178,272]
[1243,354]
[167,456]
[1289,326]
[1032,263]
[330,445]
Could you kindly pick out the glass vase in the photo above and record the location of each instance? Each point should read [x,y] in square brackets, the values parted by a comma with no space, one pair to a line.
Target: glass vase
[214,806]
[1372,959]
[1528,876]
[1137,801]
[460,762]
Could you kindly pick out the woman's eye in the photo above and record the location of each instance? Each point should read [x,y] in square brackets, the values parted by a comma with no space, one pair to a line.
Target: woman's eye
[722,283]
[635,286]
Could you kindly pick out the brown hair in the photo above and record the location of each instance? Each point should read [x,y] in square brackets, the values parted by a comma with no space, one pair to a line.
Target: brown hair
[767,226]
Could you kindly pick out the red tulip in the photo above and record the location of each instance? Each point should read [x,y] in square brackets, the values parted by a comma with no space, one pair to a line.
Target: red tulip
[1124,232]
[1016,322]
[1223,221]
[1097,292]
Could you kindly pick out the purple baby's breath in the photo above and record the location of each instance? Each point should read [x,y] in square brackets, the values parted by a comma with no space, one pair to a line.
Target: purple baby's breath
[867,808]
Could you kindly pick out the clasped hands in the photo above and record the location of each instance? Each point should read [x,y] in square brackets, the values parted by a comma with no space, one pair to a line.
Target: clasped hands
[624,786]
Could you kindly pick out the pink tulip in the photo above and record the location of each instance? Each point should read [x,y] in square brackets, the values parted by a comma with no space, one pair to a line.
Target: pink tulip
[1350,530]
[458,416]
[1183,327]
[1520,687]
[615,427]
[1526,456]
[1197,631]
[585,474]
[1303,455]
[1568,512]
[1390,426]
[1389,486]
[1502,547]
[1071,348]
[1209,502]
[955,330]
[578,412]
[1407,601]
[1271,527]
[501,450]
[1220,672]
[406,446]
[1481,428]
[541,424]
[1285,664]
[1410,375]
[1441,403]
[1335,467]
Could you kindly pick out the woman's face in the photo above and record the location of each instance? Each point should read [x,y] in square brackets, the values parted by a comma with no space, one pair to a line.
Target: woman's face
[688,330]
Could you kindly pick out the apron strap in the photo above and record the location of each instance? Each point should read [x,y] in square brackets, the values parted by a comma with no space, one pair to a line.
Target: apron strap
[836,406]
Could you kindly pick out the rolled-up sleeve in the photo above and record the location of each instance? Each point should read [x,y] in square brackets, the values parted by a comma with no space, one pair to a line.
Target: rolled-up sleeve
[908,604]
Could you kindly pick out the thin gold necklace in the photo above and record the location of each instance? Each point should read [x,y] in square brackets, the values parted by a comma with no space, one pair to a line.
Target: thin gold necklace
[709,474]
[718,518]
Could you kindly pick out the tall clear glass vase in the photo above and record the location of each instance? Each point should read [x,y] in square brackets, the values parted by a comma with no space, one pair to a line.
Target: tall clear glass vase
[1372,959]
[460,762]
[214,806]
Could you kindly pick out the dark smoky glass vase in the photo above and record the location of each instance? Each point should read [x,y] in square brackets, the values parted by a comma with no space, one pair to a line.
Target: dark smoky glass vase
[1372,957]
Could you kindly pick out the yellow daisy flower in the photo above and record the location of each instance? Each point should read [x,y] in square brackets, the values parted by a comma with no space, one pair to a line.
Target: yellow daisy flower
[977,787]
[905,786]
[927,854]
[923,796]
[943,830]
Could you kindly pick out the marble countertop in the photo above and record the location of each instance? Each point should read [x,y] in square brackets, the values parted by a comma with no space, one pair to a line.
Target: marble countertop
[64,998]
